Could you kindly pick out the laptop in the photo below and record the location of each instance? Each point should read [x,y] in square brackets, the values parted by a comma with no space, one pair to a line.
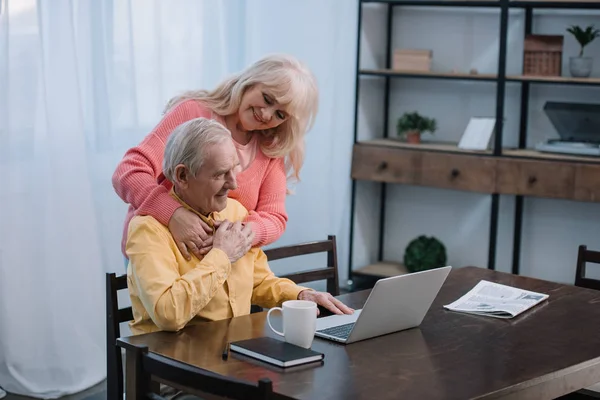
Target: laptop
[394,304]
[577,125]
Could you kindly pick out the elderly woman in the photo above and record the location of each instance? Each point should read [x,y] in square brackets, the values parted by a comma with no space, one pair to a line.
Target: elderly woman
[268,108]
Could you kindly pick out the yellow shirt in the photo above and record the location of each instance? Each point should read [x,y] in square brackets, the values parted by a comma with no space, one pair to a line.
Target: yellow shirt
[168,292]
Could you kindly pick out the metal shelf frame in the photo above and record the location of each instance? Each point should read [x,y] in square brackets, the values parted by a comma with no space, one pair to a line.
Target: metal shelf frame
[500,80]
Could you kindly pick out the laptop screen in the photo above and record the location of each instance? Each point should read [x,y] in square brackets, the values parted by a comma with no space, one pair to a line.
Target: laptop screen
[575,122]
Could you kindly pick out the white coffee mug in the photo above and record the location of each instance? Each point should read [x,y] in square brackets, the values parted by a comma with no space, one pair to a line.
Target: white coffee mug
[299,322]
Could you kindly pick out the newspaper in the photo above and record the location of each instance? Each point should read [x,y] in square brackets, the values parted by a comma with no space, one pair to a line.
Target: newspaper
[496,300]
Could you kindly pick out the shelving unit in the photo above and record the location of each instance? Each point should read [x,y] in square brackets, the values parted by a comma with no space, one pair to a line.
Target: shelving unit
[554,80]
[427,75]
[519,171]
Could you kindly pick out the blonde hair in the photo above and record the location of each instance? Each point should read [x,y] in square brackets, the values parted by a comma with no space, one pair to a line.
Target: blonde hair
[292,84]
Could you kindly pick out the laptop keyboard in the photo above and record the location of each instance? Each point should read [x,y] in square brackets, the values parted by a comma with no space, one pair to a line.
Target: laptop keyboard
[340,331]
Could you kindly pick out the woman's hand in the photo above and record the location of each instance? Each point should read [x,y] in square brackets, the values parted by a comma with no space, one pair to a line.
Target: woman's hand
[191,233]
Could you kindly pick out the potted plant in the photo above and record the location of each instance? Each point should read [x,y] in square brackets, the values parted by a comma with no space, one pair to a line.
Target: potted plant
[423,253]
[580,66]
[411,125]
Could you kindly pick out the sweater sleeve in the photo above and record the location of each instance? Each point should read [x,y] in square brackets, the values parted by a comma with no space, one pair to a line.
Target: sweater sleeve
[270,291]
[136,177]
[269,219]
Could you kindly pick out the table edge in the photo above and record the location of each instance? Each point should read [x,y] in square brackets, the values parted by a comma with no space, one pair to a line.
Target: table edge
[537,387]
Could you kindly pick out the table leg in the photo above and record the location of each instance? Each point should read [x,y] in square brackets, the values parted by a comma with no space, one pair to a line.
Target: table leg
[136,382]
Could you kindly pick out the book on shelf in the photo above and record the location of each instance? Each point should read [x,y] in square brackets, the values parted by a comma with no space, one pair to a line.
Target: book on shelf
[276,352]
[478,134]
[496,300]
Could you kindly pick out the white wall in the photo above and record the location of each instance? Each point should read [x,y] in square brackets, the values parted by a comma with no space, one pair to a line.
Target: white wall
[323,35]
[463,39]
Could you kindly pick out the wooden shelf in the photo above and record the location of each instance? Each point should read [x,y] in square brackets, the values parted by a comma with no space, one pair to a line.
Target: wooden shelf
[579,4]
[428,75]
[565,80]
[441,165]
[538,155]
[382,269]
[447,147]
[439,3]
[424,146]
[557,1]
[523,172]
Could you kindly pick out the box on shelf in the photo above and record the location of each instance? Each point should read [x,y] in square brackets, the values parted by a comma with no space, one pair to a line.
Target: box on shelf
[543,55]
[412,60]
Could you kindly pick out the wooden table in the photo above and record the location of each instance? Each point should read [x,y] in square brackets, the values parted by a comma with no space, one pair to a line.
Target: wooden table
[551,350]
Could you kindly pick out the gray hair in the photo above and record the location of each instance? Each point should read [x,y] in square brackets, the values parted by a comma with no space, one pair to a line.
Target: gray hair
[188,142]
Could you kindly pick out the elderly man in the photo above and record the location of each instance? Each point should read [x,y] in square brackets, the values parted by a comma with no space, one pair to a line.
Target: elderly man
[167,291]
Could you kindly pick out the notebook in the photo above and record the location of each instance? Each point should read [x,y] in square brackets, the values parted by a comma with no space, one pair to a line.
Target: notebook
[276,352]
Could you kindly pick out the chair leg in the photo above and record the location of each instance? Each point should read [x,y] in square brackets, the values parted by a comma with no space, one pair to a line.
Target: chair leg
[112,382]
[112,387]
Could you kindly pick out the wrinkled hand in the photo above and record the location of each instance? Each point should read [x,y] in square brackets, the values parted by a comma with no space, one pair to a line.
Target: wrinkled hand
[326,300]
[191,233]
[234,239]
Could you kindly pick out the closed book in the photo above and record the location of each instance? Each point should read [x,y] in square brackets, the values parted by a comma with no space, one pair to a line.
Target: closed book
[276,352]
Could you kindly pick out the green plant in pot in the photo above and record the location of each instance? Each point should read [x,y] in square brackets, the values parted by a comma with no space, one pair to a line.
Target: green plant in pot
[580,66]
[411,125]
[424,253]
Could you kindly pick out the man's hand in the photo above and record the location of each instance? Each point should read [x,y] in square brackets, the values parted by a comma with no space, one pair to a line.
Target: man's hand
[326,300]
[191,234]
[234,239]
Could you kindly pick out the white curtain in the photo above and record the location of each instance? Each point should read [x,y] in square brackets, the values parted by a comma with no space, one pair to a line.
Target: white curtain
[80,83]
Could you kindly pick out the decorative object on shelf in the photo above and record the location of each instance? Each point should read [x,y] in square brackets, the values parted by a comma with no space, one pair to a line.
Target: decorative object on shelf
[543,55]
[580,66]
[473,71]
[578,128]
[424,253]
[412,60]
[478,133]
[412,125]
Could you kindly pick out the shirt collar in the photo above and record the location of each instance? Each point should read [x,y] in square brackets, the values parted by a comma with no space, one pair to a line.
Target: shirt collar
[209,219]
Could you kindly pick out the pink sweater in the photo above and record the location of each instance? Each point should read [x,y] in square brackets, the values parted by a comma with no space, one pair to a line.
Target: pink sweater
[139,181]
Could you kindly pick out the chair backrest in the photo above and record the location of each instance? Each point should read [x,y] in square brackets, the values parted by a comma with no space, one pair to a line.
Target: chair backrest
[586,256]
[330,273]
[178,374]
[114,316]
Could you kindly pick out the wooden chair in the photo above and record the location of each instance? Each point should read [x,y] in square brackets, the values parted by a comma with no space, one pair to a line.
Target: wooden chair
[586,256]
[193,379]
[114,316]
[329,273]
